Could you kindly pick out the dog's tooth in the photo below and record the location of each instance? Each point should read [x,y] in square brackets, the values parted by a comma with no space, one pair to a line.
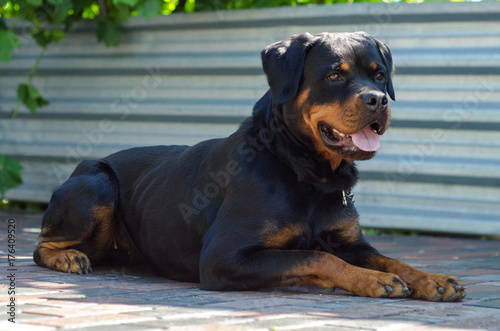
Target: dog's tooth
[340,133]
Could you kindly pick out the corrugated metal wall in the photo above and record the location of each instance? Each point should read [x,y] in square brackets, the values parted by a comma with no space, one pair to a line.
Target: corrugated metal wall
[184,78]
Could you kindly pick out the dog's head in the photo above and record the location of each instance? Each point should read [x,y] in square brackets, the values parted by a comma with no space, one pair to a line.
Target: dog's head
[332,87]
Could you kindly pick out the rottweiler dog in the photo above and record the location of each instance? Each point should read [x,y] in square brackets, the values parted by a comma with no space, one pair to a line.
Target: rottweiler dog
[268,206]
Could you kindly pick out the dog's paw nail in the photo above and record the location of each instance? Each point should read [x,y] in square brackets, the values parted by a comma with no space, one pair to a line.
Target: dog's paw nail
[85,271]
[440,290]
[459,288]
[69,270]
[388,289]
[406,290]
[453,297]
[80,272]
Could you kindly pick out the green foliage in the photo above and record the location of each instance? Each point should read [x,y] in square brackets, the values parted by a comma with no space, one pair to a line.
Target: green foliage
[149,8]
[10,174]
[130,3]
[30,97]
[8,42]
[44,37]
[109,31]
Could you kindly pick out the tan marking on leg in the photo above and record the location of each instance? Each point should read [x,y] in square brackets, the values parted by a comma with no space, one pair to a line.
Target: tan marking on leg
[104,237]
[274,237]
[61,255]
[328,271]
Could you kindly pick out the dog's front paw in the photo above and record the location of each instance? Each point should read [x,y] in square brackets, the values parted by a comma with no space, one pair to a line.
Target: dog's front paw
[378,284]
[436,287]
[70,260]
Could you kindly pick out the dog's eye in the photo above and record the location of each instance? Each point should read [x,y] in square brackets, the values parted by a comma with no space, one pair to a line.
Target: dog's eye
[380,76]
[334,77]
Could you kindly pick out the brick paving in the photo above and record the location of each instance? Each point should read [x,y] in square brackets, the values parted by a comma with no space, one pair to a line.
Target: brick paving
[137,299]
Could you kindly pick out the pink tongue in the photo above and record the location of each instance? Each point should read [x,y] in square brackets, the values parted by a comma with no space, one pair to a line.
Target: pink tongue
[366,140]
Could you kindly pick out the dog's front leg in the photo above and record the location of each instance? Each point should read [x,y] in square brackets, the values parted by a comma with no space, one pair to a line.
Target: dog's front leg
[226,269]
[427,286]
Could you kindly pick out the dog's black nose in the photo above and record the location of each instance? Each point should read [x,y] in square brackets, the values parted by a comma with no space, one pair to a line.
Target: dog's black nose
[376,101]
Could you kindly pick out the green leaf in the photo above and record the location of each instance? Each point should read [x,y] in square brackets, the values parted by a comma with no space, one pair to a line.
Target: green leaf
[80,5]
[3,2]
[10,174]
[109,32]
[30,97]
[59,13]
[130,3]
[57,35]
[123,13]
[56,2]
[8,42]
[41,36]
[149,8]
[35,3]
[44,37]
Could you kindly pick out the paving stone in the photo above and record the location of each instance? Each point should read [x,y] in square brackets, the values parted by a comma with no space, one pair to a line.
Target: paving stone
[160,295]
[321,328]
[103,299]
[21,299]
[386,323]
[23,316]
[372,311]
[309,322]
[455,312]
[220,327]
[345,302]
[417,318]
[175,313]
[87,310]
[153,287]
[8,326]
[478,272]
[95,292]
[487,303]
[185,322]
[288,309]
[257,303]
[485,296]
[85,321]
[479,323]
[21,289]
[120,327]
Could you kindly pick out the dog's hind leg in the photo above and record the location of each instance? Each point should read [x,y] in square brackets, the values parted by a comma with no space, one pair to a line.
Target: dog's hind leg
[79,227]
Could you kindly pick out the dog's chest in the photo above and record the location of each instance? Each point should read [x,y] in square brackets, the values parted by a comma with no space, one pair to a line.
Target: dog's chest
[310,226]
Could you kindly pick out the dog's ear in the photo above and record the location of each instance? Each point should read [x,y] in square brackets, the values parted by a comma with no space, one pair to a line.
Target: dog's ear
[386,56]
[283,62]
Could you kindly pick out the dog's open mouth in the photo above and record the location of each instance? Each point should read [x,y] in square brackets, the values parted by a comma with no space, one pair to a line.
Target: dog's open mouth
[367,139]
